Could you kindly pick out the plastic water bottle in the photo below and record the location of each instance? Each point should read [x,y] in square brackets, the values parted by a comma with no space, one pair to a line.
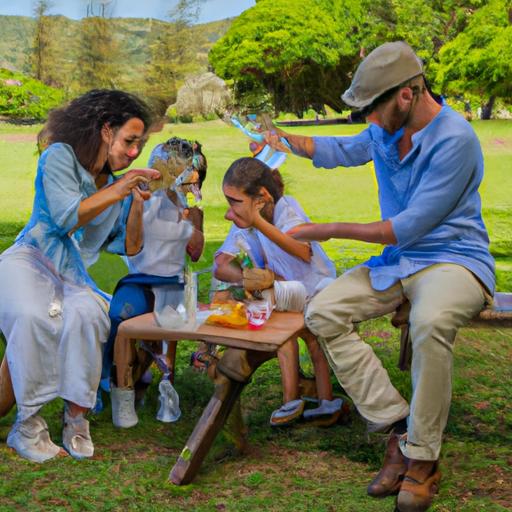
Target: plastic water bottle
[191,297]
[169,400]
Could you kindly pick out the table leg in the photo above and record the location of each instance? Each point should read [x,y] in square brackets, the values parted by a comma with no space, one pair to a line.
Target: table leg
[7,399]
[226,392]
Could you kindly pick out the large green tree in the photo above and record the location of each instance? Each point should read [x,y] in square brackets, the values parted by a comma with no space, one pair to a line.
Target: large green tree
[425,24]
[478,60]
[301,53]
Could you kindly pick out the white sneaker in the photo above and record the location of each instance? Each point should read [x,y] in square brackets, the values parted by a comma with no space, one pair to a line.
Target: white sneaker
[169,400]
[76,438]
[31,440]
[123,407]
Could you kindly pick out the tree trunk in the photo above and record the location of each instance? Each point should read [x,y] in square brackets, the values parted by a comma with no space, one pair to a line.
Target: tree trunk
[487,108]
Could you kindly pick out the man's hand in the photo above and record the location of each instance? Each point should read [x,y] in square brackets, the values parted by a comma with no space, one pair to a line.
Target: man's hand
[257,278]
[301,145]
[274,139]
[311,232]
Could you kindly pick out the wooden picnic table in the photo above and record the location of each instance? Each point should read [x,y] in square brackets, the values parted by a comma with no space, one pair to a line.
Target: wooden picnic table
[251,347]
[260,346]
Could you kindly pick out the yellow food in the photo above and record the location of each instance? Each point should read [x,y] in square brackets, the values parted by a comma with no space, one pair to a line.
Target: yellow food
[233,315]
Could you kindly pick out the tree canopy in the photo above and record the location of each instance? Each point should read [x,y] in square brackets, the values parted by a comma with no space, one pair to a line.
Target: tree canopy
[298,52]
[301,55]
[479,59]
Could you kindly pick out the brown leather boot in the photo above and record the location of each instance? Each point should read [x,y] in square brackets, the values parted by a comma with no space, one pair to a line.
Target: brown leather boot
[420,484]
[389,478]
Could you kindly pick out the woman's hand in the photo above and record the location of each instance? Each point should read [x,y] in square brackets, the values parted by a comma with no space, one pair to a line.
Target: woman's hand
[311,232]
[135,179]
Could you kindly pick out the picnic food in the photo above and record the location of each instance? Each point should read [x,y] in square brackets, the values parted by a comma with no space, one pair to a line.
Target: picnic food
[231,314]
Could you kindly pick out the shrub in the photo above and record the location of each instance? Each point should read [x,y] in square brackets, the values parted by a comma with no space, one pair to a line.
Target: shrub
[22,97]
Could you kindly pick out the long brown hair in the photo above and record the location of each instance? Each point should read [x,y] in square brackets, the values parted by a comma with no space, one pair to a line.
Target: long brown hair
[79,123]
[250,174]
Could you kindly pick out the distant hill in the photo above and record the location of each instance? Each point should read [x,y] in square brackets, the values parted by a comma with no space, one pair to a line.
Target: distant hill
[133,35]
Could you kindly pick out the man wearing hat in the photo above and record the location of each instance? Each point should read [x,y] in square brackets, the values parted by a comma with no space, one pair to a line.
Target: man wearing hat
[428,164]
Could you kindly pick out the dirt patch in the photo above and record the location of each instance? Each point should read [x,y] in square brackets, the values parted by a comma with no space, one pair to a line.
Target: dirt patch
[495,484]
[18,137]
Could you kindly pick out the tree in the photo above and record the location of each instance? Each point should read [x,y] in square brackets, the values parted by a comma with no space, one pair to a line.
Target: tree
[478,61]
[41,58]
[425,24]
[300,53]
[173,55]
[98,59]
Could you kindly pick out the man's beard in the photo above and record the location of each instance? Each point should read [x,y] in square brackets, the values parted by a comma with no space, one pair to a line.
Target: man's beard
[398,120]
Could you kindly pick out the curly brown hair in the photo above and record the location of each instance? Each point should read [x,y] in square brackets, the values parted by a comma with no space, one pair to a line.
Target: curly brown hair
[79,123]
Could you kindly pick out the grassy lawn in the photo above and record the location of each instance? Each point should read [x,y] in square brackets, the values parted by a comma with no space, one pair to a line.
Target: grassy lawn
[302,468]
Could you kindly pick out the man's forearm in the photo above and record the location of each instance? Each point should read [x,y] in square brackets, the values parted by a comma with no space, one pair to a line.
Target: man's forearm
[302,145]
[288,244]
[375,232]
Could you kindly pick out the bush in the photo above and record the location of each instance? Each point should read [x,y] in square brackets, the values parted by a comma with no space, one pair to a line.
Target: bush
[172,114]
[22,97]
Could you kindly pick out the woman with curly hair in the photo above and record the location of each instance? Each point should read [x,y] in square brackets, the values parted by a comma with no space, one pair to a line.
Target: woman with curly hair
[52,314]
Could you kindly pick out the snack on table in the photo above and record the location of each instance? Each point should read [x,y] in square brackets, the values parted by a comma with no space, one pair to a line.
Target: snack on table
[258,312]
[231,314]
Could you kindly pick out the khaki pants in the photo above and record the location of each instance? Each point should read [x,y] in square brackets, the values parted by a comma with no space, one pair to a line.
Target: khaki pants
[443,297]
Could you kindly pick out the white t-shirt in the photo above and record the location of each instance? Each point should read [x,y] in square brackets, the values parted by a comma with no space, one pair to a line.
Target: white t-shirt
[265,253]
[165,239]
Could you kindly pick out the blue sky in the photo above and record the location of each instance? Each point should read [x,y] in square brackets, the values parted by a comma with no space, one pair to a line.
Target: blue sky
[211,9]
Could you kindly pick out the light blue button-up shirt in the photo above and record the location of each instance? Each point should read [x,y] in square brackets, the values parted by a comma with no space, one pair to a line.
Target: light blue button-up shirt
[61,185]
[430,196]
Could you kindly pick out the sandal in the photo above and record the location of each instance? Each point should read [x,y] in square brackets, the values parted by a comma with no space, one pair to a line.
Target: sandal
[328,412]
[287,413]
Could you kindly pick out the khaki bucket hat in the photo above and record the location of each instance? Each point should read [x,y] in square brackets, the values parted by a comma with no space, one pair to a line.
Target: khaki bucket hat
[385,67]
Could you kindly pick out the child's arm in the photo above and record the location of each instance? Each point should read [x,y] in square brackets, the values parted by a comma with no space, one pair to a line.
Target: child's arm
[134,226]
[195,245]
[380,232]
[286,242]
[226,269]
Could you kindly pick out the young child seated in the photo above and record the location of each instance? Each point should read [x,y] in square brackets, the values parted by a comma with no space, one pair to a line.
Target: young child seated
[155,274]
[287,272]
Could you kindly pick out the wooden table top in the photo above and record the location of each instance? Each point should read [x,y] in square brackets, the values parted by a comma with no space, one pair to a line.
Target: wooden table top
[280,327]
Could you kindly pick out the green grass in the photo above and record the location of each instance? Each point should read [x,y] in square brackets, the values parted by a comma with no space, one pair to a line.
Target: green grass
[301,468]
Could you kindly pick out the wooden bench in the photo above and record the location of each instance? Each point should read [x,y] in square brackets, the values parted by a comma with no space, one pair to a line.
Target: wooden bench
[250,347]
[497,315]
